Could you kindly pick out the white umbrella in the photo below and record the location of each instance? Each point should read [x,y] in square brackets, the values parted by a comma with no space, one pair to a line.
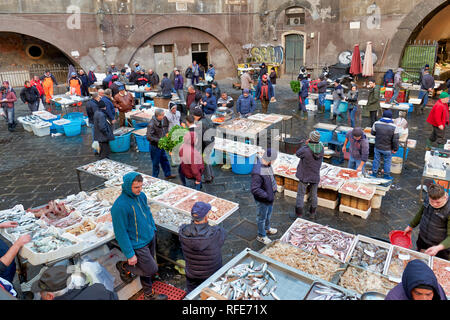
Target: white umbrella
[368,61]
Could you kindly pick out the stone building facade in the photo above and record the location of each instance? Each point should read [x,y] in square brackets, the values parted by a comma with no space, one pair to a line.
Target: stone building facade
[162,34]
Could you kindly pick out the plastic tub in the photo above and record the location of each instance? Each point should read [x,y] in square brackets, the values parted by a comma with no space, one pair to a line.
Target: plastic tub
[396,237]
[142,143]
[121,144]
[341,136]
[41,131]
[399,153]
[328,104]
[74,116]
[292,145]
[73,128]
[325,135]
[242,165]
[139,125]
[343,107]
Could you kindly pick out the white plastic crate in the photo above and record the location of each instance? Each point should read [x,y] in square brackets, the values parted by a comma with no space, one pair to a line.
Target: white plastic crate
[41,130]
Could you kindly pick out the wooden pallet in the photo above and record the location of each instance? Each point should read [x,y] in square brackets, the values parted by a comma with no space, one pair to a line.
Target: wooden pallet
[355,212]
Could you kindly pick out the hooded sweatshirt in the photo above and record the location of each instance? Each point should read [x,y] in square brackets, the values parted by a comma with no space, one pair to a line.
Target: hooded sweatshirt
[211,102]
[416,273]
[262,183]
[201,245]
[311,156]
[132,219]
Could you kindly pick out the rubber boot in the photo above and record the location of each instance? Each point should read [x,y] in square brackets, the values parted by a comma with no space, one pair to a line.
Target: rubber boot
[334,119]
[298,212]
[428,145]
[312,212]
[10,128]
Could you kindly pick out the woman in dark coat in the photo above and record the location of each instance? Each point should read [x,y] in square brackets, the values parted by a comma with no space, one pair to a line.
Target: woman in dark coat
[103,132]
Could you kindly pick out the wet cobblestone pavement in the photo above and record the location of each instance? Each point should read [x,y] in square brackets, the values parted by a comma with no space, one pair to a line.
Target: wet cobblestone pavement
[35,170]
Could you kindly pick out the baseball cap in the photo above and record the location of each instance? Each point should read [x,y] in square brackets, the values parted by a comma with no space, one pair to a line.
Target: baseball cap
[200,210]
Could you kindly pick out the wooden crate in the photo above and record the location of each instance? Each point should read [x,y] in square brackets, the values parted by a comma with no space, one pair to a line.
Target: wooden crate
[161,102]
[356,203]
[327,194]
[280,180]
[290,184]
[355,212]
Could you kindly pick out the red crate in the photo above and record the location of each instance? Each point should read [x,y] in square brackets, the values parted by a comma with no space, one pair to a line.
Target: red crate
[388,94]
[172,292]
[401,97]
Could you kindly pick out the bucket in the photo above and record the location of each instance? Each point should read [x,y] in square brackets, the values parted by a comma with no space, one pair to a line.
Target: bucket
[396,237]
[242,165]
[325,135]
[73,128]
[399,153]
[142,143]
[328,104]
[74,116]
[396,165]
[292,145]
[343,107]
[121,144]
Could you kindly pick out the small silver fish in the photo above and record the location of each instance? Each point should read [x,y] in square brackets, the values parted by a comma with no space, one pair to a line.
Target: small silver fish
[272,275]
[264,267]
[252,263]
[265,291]
[274,296]
[272,290]
[262,285]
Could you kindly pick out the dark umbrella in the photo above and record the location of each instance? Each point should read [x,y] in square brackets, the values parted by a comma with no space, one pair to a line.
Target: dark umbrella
[356,66]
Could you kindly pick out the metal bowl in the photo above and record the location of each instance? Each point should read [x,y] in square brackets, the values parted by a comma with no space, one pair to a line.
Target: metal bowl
[372,296]
[222,108]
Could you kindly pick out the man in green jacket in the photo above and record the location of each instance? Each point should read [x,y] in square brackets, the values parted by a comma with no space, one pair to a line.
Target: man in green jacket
[135,232]
[434,220]
[373,102]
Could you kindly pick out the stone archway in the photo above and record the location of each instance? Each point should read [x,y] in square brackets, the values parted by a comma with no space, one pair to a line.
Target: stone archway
[409,28]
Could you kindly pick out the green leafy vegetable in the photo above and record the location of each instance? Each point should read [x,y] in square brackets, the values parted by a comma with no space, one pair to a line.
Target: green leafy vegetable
[174,138]
[295,86]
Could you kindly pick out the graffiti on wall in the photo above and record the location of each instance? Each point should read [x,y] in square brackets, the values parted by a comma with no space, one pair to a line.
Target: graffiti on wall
[268,54]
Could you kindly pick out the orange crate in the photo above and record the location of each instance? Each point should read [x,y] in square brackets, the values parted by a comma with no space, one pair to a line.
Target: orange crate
[280,180]
[173,293]
[291,184]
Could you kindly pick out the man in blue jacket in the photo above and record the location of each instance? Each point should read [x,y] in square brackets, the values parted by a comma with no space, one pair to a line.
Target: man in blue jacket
[263,188]
[135,232]
[245,105]
[209,102]
[201,245]
[302,96]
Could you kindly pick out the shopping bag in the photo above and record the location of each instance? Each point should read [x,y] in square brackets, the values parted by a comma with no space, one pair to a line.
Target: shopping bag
[41,106]
[2,113]
[96,146]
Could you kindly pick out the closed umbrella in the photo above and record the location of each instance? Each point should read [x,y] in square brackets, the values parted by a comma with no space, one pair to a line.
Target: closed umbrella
[368,61]
[356,66]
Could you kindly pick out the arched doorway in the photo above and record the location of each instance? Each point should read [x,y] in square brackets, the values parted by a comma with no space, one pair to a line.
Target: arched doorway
[295,51]
[179,46]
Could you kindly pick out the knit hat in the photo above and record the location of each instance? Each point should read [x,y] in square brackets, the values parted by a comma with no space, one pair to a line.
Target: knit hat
[246,91]
[198,112]
[200,210]
[270,155]
[387,114]
[73,74]
[208,91]
[121,88]
[314,136]
[357,132]
[443,95]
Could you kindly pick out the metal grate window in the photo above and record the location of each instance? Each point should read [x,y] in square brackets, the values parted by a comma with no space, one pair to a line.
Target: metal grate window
[163,48]
[200,47]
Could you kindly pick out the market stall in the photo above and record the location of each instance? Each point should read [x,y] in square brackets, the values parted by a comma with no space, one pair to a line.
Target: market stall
[243,129]
[67,102]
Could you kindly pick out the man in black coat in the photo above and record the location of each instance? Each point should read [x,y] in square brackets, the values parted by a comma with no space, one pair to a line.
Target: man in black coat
[263,188]
[207,139]
[201,245]
[91,108]
[103,132]
[84,83]
[30,96]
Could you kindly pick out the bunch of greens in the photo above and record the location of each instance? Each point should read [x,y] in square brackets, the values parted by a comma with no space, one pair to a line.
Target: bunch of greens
[295,86]
[174,138]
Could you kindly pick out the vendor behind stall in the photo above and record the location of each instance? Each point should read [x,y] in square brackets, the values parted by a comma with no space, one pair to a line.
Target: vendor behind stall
[201,245]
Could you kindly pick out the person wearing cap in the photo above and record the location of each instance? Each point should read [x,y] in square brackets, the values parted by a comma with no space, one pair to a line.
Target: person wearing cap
[48,82]
[434,220]
[397,86]
[264,92]
[123,101]
[359,149]
[174,116]
[103,132]
[422,71]
[386,143]
[7,99]
[166,86]
[30,96]
[178,82]
[135,231]
[142,78]
[112,68]
[338,96]
[75,84]
[245,105]
[134,75]
[201,244]
[191,166]
[107,98]
[263,70]
[373,102]
[123,76]
[263,188]
[308,173]
[153,78]
[439,119]
[56,283]
[352,98]
[91,108]
[209,102]
[322,90]
[418,283]
[204,128]
[91,76]
[302,96]
[427,86]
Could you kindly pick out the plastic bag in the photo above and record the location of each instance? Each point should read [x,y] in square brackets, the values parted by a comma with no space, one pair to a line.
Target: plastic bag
[41,106]
[96,146]
[2,113]
[98,274]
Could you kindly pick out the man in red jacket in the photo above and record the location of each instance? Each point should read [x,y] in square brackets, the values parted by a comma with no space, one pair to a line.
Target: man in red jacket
[191,167]
[439,119]
[38,84]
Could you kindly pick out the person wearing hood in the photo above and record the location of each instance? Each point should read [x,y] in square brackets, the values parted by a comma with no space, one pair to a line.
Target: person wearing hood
[302,96]
[359,149]
[373,101]
[338,96]
[115,85]
[439,119]
[209,102]
[205,127]
[91,108]
[388,77]
[142,78]
[263,188]
[308,173]
[201,244]
[84,83]
[352,98]
[322,90]
[434,219]
[178,83]
[103,132]
[397,86]
[191,166]
[386,143]
[166,86]
[263,71]
[54,282]
[48,81]
[30,96]
[264,92]
[123,76]
[418,283]
[91,76]
[157,128]
[245,106]
[7,99]
[123,101]
[135,231]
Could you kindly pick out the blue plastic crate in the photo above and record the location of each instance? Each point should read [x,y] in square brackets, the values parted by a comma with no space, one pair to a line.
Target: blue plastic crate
[325,135]
[121,144]
[142,143]
[73,128]
[139,125]
[242,165]
[341,136]
[343,107]
[328,104]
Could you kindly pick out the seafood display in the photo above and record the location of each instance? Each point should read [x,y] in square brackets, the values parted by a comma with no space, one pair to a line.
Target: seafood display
[322,239]
[45,115]
[50,243]
[245,125]
[88,206]
[52,212]
[400,258]
[67,222]
[286,165]
[109,194]
[105,218]
[320,291]
[156,189]
[235,147]
[441,269]
[122,131]
[175,195]
[347,174]
[247,282]
[270,118]
[327,182]
[362,281]
[166,216]
[358,190]
[220,207]
[84,227]
[369,256]
[107,169]
[186,205]
[309,262]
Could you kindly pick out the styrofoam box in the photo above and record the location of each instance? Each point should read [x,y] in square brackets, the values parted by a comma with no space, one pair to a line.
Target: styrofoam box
[40,258]
[355,212]
[293,194]
[325,203]
[41,131]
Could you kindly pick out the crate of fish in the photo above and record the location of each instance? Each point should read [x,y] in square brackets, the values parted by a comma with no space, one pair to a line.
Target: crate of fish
[106,169]
[168,218]
[253,276]
[322,239]
[220,210]
[87,205]
[85,226]
[361,280]
[175,195]
[109,194]
[158,188]
[398,259]
[187,204]
[370,254]
[441,269]
[320,291]
[50,246]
